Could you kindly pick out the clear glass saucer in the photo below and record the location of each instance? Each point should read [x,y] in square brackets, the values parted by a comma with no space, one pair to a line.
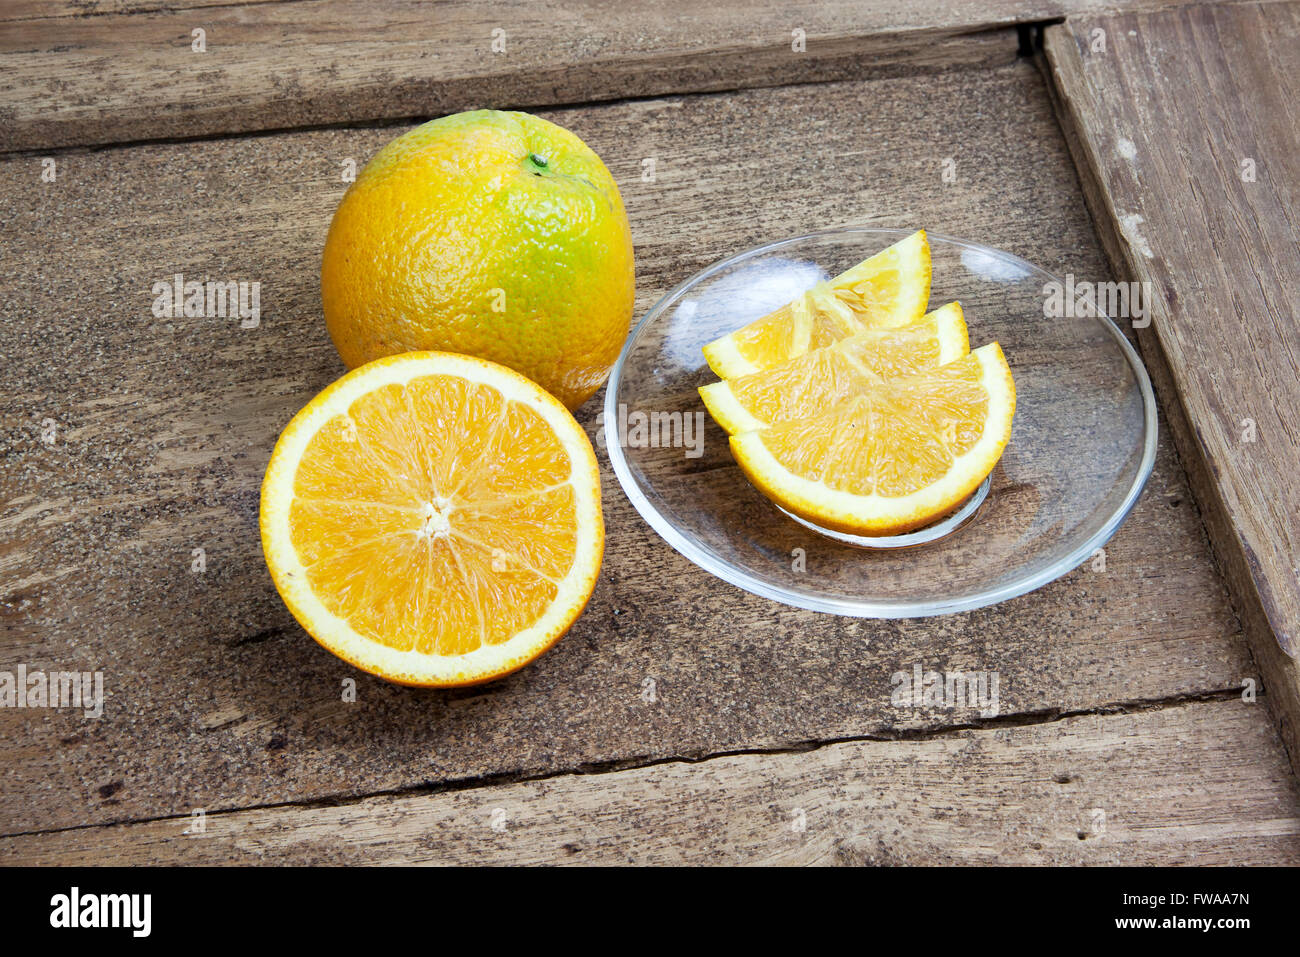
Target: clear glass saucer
[1081,449]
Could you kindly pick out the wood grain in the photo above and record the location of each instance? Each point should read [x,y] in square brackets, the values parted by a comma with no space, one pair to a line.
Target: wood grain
[1163,123]
[1183,785]
[133,76]
[161,430]
[1002,12]
[51,9]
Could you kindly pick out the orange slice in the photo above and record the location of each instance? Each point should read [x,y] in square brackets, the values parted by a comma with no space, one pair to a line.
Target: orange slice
[889,289]
[819,379]
[433,519]
[893,458]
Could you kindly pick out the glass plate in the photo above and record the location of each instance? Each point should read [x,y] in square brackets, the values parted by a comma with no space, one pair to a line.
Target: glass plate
[1081,449]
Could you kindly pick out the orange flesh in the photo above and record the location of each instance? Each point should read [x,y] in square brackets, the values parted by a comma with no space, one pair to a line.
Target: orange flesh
[870,297]
[435,516]
[772,338]
[889,440]
[818,379]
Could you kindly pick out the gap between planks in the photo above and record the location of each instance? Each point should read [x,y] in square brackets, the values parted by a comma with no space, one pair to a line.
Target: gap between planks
[287,66]
[994,58]
[1107,100]
[927,733]
[1073,790]
[118,74]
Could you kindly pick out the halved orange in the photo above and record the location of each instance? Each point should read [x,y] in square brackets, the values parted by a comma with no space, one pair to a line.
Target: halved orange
[893,458]
[819,379]
[889,289]
[433,519]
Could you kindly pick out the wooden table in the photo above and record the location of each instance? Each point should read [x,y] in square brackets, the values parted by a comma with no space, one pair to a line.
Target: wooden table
[1147,709]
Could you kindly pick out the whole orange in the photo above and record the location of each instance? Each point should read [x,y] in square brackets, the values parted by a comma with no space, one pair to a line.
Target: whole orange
[498,235]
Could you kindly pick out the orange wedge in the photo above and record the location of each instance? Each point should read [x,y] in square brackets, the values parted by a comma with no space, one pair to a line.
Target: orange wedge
[893,458]
[889,289]
[819,379]
[433,519]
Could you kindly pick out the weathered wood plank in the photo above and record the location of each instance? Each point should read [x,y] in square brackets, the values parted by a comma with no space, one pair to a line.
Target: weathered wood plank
[1000,12]
[49,9]
[1185,126]
[133,75]
[1202,784]
[161,430]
